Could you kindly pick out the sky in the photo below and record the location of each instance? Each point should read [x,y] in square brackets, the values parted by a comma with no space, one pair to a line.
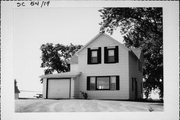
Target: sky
[34,27]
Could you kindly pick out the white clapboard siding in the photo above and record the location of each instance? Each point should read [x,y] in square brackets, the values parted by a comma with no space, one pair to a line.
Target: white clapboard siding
[74,67]
[44,87]
[102,69]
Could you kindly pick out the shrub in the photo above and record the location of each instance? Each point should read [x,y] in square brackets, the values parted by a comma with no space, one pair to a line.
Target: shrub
[84,94]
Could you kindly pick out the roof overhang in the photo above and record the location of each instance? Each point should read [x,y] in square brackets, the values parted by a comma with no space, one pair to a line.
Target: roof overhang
[62,75]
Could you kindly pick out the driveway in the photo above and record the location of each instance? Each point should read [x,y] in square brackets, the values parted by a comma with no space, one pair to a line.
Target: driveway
[74,105]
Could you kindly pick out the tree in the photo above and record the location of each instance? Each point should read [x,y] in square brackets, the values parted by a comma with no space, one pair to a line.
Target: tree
[55,57]
[16,90]
[140,28]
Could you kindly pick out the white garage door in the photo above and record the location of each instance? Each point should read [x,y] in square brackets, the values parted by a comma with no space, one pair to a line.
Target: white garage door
[58,88]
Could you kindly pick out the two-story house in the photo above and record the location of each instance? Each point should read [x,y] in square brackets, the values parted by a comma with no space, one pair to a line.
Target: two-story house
[104,69]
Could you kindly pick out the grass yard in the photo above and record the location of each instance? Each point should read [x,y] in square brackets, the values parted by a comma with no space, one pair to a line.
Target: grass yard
[76,105]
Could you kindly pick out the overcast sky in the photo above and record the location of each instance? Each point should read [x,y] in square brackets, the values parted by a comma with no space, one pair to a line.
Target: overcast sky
[34,27]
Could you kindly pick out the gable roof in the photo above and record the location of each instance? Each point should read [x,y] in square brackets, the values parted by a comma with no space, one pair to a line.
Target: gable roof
[95,38]
[137,52]
[74,59]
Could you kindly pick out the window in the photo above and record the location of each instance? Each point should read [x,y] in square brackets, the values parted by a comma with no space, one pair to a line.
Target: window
[92,83]
[94,56]
[111,54]
[103,83]
[113,83]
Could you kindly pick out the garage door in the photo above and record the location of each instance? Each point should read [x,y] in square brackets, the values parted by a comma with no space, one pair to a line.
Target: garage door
[58,88]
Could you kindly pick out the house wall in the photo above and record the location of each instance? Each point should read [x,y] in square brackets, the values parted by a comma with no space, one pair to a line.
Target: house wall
[102,69]
[134,73]
[74,67]
[72,88]
[44,87]
[76,87]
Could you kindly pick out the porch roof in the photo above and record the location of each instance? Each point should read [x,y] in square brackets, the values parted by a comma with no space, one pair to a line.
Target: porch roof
[62,75]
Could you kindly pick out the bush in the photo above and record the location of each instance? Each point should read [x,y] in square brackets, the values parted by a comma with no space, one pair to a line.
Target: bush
[84,94]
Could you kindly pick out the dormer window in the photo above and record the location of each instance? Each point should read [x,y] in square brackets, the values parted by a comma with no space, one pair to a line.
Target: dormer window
[94,56]
[111,54]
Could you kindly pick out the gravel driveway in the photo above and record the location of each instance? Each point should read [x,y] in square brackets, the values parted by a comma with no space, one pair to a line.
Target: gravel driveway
[74,105]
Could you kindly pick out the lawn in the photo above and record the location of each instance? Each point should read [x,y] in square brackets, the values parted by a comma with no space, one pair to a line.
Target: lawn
[75,105]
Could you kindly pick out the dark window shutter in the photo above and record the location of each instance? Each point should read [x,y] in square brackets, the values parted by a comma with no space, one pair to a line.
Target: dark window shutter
[105,55]
[116,54]
[117,83]
[88,83]
[99,55]
[88,56]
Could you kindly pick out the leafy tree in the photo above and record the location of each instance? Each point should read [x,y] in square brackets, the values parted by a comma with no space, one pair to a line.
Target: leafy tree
[140,28]
[55,57]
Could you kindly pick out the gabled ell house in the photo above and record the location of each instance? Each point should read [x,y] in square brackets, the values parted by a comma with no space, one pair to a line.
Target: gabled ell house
[104,69]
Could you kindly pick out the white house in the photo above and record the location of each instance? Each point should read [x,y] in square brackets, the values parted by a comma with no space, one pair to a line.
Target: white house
[104,69]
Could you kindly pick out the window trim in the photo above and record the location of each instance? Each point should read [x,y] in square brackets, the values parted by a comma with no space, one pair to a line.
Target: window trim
[96,89]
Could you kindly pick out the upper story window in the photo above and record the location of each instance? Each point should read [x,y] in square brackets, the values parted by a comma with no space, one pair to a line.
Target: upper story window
[94,56]
[111,54]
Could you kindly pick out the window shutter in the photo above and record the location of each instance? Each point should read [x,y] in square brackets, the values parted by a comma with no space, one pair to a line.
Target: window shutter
[88,56]
[116,54]
[88,83]
[105,55]
[99,55]
[117,83]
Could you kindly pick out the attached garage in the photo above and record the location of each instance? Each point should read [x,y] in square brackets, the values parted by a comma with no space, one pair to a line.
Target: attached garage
[58,88]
